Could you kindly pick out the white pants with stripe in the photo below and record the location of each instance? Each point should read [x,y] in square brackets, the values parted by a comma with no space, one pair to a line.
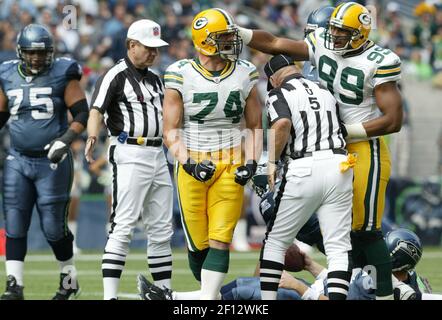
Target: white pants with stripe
[141,185]
[314,184]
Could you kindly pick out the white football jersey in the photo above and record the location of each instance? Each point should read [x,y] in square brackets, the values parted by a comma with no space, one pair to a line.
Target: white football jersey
[352,78]
[213,104]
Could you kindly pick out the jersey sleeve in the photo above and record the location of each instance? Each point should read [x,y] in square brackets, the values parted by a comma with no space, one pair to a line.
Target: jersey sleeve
[388,70]
[104,92]
[277,107]
[252,79]
[173,77]
[312,43]
[74,71]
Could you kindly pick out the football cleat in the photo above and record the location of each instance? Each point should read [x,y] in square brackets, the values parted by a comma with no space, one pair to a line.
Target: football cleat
[13,290]
[149,291]
[68,290]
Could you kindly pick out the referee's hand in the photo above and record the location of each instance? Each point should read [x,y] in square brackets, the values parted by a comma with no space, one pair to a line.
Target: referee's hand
[88,150]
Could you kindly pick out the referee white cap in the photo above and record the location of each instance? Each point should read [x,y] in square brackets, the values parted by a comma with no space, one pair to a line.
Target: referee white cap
[147,32]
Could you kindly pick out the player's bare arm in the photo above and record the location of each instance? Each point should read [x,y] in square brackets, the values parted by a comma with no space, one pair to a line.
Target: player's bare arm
[268,43]
[389,100]
[173,111]
[4,112]
[253,117]
[75,100]
[280,132]
[93,129]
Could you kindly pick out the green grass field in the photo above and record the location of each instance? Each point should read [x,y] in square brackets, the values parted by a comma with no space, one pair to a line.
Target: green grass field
[41,272]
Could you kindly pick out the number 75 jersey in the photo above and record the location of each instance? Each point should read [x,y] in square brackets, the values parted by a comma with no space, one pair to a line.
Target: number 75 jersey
[36,103]
[352,78]
[213,104]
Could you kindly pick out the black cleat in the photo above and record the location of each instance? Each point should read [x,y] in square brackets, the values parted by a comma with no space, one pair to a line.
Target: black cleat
[149,291]
[68,289]
[13,290]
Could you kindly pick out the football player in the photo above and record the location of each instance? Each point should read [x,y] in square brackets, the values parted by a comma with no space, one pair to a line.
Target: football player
[318,18]
[36,93]
[207,98]
[403,245]
[363,78]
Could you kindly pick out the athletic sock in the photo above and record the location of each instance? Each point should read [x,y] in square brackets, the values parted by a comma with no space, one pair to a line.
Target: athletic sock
[213,273]
[196,260]
[160,268]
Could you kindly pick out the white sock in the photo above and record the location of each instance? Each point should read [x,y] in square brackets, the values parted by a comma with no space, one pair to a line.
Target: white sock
[211,282]
[73,227]
[15,268]
[240,233]
[110,288]
[189,295]
[67,266]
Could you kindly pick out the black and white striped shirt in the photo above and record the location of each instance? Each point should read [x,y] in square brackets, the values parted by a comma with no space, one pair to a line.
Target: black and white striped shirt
[131,100]
[313,112]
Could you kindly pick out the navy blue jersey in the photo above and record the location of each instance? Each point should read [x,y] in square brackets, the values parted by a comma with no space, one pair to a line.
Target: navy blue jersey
[36,103]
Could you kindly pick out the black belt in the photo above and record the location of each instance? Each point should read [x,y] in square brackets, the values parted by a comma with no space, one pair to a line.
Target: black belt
[34,154]
[146,142]
[300,154]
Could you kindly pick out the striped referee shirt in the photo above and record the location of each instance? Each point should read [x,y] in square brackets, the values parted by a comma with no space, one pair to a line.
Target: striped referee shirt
[313,112]
[130,100]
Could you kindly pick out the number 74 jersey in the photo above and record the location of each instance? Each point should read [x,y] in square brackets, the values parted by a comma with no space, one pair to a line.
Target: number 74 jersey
[352,78]
[213,104]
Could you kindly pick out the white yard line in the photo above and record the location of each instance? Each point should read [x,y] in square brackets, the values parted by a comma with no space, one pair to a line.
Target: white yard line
[97,273]
[181,256]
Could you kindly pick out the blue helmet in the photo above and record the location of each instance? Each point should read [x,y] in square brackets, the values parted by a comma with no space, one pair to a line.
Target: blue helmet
[35,48]
[318,18]
[405,249]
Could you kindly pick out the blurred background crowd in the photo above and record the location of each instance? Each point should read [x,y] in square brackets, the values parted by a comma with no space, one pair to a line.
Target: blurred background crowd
[93,32]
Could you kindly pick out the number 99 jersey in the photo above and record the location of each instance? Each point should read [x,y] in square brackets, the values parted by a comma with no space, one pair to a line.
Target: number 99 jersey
[352,77]
[213,102]
[36,103]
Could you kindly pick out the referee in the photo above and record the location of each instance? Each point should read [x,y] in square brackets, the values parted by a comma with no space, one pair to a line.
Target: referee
[129,98]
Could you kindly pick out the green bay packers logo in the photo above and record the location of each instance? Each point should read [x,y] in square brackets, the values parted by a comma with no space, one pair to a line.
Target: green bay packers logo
[365,18]
[200,23]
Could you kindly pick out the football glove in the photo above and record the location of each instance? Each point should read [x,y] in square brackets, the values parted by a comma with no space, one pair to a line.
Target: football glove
[244,173]
[403,291]
[201,171]
[58,148]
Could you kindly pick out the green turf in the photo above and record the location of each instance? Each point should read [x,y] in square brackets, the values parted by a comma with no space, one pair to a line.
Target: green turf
[41,272]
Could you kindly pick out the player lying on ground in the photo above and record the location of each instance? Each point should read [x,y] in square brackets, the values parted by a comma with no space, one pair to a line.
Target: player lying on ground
[405,250]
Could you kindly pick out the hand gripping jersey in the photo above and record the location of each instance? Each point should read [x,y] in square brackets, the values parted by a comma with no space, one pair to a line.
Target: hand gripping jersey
[213,104]
[352,77]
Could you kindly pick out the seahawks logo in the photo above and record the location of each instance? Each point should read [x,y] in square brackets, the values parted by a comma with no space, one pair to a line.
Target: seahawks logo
[200,23]
[365,18]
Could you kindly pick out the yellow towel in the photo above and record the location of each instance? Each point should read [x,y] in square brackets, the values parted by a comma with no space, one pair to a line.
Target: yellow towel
[350,163]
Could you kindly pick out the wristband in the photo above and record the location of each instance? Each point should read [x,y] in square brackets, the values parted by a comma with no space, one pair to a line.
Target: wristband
[245,34]
[355,131]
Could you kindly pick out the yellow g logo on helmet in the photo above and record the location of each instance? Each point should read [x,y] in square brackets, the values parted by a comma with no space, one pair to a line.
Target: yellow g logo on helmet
[356,20]
[215,33]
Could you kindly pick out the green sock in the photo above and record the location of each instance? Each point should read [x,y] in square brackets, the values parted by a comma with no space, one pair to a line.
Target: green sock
[357,249]
[217,260]
[196,260]
[377,255]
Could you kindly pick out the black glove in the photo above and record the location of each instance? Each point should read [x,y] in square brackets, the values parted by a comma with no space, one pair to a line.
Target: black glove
[58,148]
[202,171]
[244,173]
